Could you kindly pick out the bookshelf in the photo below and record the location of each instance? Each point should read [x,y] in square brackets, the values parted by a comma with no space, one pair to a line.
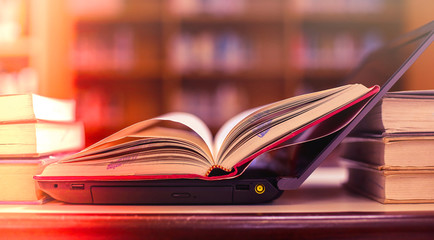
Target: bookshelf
[133,60]
[34,49]
[14,45]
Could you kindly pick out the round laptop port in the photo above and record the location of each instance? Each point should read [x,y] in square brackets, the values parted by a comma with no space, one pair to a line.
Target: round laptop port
[259,188]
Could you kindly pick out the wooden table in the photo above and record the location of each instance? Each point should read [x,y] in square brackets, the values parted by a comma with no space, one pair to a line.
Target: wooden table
[320,209]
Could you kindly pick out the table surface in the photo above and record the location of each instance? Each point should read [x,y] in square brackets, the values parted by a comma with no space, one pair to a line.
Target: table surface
[320,208]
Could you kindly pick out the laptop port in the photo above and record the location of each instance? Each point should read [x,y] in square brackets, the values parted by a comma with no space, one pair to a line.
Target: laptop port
[242,187]
[77,186]
[181,195]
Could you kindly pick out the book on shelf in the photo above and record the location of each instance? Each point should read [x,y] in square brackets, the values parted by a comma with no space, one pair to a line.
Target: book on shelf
[337,51]
[180,145]
[16,180]
[411,185]
[337,7]
[401,112]
[205,52]
[211,7]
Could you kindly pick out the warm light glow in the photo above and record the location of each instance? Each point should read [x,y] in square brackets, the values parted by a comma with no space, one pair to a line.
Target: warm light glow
[126,61]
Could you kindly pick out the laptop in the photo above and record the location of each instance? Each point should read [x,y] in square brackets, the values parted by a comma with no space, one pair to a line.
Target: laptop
[384,67]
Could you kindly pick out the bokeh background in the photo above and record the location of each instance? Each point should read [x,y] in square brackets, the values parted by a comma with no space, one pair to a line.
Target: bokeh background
[129,60]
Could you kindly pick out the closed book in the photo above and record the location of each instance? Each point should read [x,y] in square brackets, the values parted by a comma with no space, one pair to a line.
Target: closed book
[392,151]
[16,180]
[37,139]
[393,185]
[401,112]
[32,107]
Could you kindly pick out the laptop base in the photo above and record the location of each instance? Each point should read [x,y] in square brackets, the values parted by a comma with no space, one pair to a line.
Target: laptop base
[244,190]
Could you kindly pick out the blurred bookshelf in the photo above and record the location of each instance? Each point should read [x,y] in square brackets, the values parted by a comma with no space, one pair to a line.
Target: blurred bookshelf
[33,48]
[139,59]
[130,60]
[15,70]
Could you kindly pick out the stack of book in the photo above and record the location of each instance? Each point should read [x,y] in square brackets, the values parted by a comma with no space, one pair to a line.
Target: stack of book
[35,131]
[390,157]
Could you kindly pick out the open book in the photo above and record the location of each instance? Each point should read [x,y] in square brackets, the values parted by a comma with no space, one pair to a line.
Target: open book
[179,145]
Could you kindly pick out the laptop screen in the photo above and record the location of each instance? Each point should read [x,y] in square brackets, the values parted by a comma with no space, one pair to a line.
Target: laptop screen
[383,67]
